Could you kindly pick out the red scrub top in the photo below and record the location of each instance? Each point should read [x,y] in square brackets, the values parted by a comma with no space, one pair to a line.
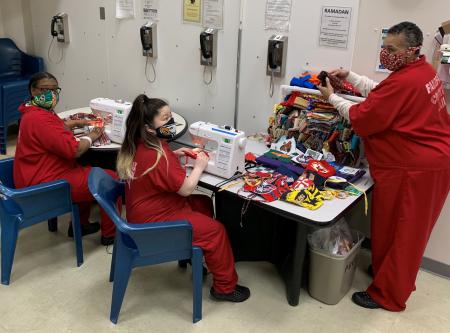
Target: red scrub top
[153,197]
[45,150]
[404,121]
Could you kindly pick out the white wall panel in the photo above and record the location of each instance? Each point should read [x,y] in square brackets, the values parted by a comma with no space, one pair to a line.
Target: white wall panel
[304,52]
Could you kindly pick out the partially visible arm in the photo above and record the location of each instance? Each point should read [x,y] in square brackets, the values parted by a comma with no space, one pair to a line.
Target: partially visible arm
[191,182]
[342,105]
[362,83]
[85,143]
[71,124]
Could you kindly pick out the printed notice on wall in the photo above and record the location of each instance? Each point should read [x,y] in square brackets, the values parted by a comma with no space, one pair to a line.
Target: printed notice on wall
[150,10]
[335,26]
[192,11]
[213,14]
[278,15]
[124,9]
[379,67]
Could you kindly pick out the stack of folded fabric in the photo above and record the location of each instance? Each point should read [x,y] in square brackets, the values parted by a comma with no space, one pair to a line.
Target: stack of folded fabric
[315,125]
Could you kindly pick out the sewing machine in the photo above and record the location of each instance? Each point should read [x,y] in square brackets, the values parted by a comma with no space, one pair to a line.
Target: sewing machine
[224,145]
[114,113]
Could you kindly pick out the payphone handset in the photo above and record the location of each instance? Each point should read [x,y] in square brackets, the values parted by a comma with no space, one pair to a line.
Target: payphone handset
[208,47]
[59,27]
[148,39]
[276,55]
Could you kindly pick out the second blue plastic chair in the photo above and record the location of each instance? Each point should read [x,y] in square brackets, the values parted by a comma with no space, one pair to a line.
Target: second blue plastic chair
[23,208]
[145,244]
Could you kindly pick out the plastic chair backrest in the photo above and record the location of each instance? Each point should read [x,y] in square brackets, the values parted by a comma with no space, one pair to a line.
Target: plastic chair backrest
[11,59]
[148,238]
[6,172]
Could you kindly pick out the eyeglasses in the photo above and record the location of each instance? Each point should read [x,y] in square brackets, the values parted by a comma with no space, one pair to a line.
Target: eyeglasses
[44,89]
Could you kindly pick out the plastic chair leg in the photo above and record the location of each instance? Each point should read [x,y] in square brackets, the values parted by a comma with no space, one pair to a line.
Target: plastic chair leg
[122,271]
[113,261]
[77,234]
[53,224]
[9,232]
[197,279]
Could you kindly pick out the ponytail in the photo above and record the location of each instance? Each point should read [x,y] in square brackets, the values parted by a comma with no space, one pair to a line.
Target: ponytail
[142,113]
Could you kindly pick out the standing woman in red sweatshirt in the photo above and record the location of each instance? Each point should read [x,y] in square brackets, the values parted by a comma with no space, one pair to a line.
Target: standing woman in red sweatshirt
[158,190]
[47,151]
[405,127]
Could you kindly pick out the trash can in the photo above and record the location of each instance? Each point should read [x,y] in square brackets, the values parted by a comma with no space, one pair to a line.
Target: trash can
[331,277]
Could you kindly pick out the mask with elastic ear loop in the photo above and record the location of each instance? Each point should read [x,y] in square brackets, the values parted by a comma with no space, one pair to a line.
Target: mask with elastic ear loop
[168,130]
[47,100]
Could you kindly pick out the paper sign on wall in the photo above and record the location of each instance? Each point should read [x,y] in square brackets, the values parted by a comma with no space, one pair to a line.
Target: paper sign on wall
[379,67]
[124,9]
[213,14]
[335,26]
[192,11]
[278,15]
[150,9]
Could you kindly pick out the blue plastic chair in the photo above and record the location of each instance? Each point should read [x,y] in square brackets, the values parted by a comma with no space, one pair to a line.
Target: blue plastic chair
[16,68]
[22,208]
[144,244]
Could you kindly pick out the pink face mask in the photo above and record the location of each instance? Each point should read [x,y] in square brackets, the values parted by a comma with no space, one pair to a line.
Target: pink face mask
[394,62]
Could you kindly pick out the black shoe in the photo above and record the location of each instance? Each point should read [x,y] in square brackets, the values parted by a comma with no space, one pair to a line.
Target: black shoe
[183,264]
[370,271]
[107,240]
[87,229]
[240,294]
[363,299]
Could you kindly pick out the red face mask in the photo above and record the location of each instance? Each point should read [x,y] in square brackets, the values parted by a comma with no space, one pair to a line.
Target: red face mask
[394,62]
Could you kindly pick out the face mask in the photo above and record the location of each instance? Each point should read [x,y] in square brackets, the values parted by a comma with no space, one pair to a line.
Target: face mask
[168,130]
[47,100]
[394,62]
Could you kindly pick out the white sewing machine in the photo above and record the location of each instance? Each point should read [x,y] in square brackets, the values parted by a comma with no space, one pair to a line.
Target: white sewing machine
[115,114]
[228,154]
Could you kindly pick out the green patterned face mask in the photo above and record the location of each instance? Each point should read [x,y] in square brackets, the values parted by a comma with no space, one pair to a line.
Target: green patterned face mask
[46,100]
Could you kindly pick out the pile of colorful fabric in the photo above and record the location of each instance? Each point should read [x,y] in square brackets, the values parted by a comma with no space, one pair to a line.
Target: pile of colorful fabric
[315,125]
[94,121]
[275,176]
[311,81]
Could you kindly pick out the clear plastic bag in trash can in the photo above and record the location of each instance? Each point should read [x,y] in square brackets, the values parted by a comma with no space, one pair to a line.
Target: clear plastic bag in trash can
[336,240]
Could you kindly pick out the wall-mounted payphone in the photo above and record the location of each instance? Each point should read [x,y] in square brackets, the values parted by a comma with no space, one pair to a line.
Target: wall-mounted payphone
[276,55]
[60,27]
[148,33]
[208,47]
[148,40]
[276,59]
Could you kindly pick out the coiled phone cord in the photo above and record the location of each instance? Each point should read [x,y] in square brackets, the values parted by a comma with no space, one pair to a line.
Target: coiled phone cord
[154,72]
[272,84]
[210,78]
[48,53]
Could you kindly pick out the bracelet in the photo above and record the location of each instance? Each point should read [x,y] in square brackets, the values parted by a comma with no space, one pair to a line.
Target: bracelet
[88,139]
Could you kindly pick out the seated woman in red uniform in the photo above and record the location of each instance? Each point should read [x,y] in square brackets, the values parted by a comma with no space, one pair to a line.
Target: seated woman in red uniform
[47,151]
[158,190]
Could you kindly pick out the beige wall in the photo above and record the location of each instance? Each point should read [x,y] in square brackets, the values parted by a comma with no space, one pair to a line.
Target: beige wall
[1,22]
[375,15]
[15,23]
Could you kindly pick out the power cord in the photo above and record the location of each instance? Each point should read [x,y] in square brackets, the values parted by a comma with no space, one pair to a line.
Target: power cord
[154,72]
[48,53]
[272,83]
[210,78]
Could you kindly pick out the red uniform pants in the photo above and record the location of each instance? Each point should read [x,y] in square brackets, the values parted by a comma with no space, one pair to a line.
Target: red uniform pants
[84,199]
[210,235]
[406,206]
